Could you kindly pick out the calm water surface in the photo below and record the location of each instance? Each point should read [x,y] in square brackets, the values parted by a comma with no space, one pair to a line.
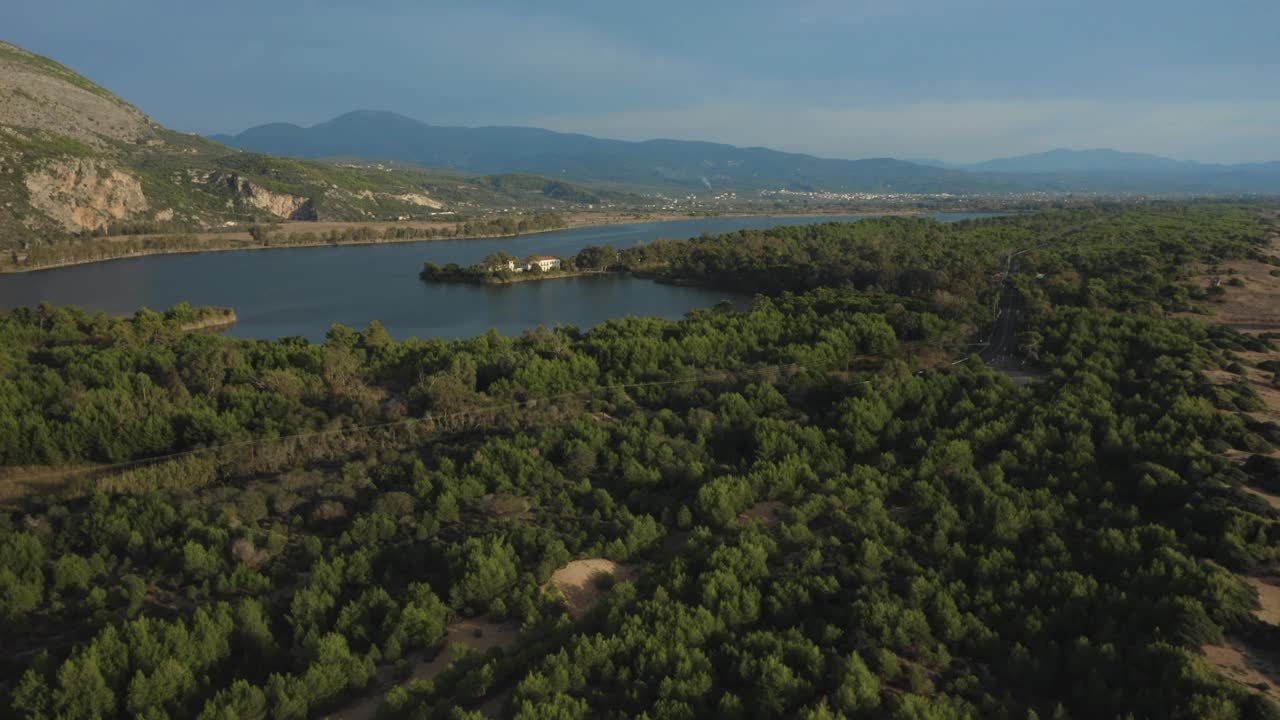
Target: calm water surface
[304,291]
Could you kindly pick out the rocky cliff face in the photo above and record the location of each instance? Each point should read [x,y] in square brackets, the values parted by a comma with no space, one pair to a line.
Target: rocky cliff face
[283,205]
[419,199]
[84,193]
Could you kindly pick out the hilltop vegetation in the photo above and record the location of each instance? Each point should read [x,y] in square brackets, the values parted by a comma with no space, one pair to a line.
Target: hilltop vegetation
[948,545]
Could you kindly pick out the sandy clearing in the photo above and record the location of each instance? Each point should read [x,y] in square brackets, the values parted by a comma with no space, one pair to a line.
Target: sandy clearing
[576,582]
[1260,381]
[1269,595]
[1257,379]
[767,513]
[1272,500]
[1252,308]
[1232,661]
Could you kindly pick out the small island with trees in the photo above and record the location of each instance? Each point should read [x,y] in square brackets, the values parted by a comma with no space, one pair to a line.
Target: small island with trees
[653,260]
[503,268]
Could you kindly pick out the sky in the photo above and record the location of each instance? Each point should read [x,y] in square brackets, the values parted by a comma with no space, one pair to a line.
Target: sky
[957,80]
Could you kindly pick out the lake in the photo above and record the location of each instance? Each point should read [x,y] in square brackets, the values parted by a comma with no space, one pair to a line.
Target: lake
[304,291]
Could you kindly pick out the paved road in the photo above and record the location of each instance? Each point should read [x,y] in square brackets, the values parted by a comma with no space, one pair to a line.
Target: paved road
[1000,351]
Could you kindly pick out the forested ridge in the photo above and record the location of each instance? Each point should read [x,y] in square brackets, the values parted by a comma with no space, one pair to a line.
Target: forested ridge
[948,544]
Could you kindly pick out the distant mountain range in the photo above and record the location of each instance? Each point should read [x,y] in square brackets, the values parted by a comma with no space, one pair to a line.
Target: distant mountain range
[653,163]
[686,165]
[1085,161]
[1102,162]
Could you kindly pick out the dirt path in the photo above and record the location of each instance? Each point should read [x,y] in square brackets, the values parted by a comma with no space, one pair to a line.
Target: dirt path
[18,482]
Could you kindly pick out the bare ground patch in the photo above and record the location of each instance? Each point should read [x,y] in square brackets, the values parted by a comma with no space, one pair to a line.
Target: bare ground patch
[579,582]
[1232,661]
[1269,595]
[1239,457]
[1252,308]
[1257,379]
[1260,381]
[1272,500]
[1255,307]
[768,513]
[476,634]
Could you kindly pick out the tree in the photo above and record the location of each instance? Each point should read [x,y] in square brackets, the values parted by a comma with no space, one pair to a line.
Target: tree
[71,571]
[596,257]
[859,688]
[487,567]
[241,701]
[500,261]
[82,692]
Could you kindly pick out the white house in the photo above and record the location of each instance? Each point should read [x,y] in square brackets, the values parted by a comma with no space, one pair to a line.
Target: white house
[543,263]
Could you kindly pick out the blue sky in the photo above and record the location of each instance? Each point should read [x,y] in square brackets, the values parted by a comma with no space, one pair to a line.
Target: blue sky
[958,80]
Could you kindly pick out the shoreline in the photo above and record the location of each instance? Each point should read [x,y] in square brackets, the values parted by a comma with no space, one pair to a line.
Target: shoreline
[287,246]
[613,220]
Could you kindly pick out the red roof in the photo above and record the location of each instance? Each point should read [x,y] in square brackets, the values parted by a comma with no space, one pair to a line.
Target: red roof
[546,257]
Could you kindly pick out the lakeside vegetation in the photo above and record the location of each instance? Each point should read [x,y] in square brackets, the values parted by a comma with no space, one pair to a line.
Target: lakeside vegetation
[949,545]
[96,249]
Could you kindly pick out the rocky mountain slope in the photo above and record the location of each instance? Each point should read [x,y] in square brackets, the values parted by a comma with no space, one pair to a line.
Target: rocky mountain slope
[76,159]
